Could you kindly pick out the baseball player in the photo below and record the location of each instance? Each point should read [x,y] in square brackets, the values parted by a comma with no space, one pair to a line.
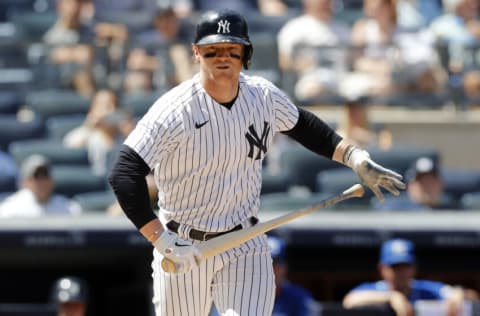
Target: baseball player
[205,140]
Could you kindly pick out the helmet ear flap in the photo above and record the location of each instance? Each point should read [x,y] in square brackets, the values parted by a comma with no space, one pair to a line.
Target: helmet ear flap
[247,56]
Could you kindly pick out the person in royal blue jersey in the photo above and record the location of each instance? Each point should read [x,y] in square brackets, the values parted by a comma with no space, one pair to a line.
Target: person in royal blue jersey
[398,286]
[290,299]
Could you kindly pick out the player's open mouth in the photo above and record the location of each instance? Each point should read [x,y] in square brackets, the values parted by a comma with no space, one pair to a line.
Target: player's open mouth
[223,67]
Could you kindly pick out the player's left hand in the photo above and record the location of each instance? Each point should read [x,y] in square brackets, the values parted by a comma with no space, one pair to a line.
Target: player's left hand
[181,252]
[375,176]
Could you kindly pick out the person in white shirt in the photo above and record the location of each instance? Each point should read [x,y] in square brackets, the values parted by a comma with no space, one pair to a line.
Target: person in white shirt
[36,196]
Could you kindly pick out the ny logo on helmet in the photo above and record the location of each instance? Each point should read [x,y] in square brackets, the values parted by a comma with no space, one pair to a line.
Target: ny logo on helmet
[223,26]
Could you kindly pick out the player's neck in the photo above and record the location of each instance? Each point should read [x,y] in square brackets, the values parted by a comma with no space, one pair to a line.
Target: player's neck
[221,92]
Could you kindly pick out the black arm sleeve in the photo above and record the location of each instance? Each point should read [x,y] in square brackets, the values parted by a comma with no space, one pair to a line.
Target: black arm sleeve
[127,179]
[314,134]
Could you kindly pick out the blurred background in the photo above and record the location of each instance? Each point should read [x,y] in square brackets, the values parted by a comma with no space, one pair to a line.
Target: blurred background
[399,77]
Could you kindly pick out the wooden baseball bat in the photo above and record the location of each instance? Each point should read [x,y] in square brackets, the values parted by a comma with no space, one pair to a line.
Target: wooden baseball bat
[222,243]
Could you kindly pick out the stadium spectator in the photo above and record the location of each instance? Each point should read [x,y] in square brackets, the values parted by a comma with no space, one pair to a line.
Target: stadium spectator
[167,27]
[425,189]
[457,28]
[356,126]
[104,124]
[71,50]
[317,71]
[456,32]
[290,299]
[400,289]
[70,295]
[124,5]
[36,195]
[161,56]
[417,14]
[246,7]
[392,60]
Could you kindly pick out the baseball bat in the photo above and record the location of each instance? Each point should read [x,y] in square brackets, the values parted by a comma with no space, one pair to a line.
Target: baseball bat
[224,242]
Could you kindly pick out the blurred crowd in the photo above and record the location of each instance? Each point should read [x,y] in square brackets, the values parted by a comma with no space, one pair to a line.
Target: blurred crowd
[77,74]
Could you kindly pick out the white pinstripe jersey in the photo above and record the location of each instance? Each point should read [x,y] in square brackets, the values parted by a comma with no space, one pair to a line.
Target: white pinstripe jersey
[208,158]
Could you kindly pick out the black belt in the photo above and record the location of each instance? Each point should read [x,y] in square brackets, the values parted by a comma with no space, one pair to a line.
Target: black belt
[201,235]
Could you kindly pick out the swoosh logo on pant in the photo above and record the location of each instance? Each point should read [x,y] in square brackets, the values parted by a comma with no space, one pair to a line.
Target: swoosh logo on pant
[181,245]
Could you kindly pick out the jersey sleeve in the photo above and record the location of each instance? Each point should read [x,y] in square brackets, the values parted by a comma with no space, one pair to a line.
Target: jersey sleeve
[286,113]
[156,134]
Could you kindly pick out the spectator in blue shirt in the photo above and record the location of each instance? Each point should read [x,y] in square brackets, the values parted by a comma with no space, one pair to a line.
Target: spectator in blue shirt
[290,299]
[425,190]
[399,288]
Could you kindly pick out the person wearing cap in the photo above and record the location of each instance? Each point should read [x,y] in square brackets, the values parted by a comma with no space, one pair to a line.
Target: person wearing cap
[70,296]
[399,288]
[206,139]
[290,299]
[36,196]
[425,189]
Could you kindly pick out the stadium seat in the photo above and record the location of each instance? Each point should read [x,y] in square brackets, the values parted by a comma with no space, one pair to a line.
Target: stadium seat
[414,100]
[48,103]
[470,201]
[270,24]
[302,166]
[135,21]
[28,309]
[52,149]
[58,126]
[13,55]
[334,181]
[9,7]
[10,102]
[8,173]
[75,179]
[31,25]
[265,63]
[137,104]
[289,201]
[399,158]
[97,201]
[11,129]
[16,79]
[274,182]
[459,182]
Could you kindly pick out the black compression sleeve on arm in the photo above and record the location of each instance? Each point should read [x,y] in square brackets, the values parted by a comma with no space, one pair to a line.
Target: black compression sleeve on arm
[127,180]
[314,134]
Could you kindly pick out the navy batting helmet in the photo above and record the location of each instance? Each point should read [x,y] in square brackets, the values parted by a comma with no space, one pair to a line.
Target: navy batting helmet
[224,27]
[69,289]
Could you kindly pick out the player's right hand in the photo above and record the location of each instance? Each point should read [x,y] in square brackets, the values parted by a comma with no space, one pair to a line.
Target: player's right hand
[182,252]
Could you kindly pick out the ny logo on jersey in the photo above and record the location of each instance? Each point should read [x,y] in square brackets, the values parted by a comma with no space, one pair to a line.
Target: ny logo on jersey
[223,26]
[255,141]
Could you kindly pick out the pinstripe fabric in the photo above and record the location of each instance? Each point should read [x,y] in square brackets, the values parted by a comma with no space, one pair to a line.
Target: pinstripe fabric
[205,177]
[239,281]
[207,160]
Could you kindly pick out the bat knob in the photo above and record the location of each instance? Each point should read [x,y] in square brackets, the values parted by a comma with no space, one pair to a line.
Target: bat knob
[168,265]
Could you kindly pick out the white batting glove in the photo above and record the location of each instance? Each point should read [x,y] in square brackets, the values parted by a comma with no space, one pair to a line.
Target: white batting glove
[182,252]
[372,174]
